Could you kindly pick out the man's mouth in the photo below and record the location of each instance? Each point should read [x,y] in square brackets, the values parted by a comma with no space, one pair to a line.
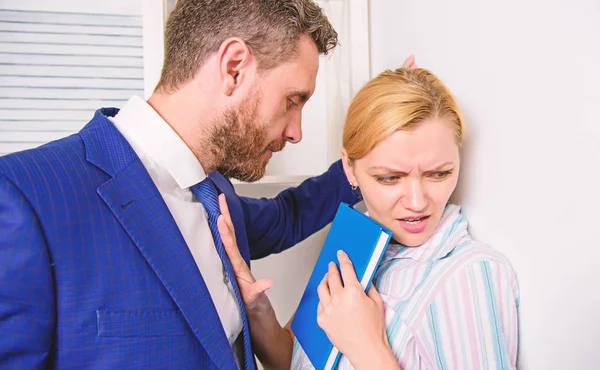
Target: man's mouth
[276,146]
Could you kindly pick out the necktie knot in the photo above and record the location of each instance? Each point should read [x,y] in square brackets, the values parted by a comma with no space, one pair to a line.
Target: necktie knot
[207,195]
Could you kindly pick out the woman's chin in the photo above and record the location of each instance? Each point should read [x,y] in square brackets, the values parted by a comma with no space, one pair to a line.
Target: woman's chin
[410,239]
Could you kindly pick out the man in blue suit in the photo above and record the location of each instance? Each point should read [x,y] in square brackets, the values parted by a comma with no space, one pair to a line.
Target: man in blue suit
[109,256]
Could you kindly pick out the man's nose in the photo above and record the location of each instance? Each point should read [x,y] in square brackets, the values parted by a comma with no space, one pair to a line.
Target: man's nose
[293,131]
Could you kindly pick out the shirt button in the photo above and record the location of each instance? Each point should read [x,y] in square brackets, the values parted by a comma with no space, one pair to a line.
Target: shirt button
[225,276]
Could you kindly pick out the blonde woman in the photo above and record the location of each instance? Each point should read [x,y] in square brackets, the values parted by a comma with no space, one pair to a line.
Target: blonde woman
[445,301]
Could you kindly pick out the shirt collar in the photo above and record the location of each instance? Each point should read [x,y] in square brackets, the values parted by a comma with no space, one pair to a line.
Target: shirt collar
[449,231]
[152,137]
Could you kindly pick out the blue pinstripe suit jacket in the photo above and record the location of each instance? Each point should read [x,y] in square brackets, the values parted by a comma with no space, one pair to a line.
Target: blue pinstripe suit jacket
[94,272]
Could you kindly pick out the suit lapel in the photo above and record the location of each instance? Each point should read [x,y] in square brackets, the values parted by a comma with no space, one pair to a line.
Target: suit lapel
[138,206]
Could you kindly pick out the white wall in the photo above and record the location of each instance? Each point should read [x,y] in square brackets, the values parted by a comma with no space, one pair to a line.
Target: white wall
[527,75]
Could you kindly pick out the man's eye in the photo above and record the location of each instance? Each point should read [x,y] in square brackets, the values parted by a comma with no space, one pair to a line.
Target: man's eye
[291,103]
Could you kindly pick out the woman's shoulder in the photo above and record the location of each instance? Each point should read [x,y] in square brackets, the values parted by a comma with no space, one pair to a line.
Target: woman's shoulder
[478,256]
[405,279]
[475,252]
[466,252]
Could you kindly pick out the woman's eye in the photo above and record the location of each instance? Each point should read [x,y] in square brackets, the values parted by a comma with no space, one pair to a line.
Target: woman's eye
[440,175]
[388,179]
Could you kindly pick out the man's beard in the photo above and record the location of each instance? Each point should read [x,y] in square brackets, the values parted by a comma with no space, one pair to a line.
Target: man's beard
[238,141]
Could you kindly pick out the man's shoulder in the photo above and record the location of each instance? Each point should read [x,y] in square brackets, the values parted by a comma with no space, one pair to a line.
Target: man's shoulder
[53,161]
[58,156]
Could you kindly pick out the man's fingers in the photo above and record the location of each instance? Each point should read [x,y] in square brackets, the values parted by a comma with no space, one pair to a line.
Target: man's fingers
[409,62]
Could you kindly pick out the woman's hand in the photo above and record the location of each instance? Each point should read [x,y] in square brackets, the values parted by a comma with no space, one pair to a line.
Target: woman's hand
[271,343]
[252,290]
[354,321]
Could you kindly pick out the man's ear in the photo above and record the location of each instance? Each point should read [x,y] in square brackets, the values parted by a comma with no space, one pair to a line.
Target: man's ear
[348,168]
[236,64]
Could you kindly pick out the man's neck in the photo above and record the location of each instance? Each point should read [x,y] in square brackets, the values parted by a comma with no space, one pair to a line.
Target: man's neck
[189,118]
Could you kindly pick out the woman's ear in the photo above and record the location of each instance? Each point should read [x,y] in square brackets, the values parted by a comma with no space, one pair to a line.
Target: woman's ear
[348,168]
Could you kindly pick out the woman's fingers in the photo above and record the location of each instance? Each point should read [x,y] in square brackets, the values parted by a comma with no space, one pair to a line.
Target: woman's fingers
[374,295]
[262,285]
[224,208]
[347,269]
[334,280]
[323,291]
[240,268]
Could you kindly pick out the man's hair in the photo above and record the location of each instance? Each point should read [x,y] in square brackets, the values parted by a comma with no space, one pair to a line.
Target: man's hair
[271,28]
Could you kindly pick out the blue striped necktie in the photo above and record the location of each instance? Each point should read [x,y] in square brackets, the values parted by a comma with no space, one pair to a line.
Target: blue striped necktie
[207,195]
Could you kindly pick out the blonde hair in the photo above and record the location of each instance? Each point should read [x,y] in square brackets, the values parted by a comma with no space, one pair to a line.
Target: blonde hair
[397,100]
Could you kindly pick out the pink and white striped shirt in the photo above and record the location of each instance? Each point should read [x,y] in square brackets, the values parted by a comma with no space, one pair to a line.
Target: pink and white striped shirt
[451,303]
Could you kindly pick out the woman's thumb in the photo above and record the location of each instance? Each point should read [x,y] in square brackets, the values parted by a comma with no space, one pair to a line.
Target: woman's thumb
[261,285]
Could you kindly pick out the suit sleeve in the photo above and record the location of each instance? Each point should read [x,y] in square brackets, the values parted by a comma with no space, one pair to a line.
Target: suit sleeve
[274,225]
[27,310]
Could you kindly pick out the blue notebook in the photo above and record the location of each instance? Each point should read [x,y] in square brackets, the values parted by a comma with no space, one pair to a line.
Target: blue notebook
[365,241]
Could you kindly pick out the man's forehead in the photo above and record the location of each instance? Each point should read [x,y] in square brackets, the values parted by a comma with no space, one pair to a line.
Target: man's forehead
[296,78]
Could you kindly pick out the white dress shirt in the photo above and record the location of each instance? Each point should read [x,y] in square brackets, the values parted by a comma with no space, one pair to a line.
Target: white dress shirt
[174,169]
